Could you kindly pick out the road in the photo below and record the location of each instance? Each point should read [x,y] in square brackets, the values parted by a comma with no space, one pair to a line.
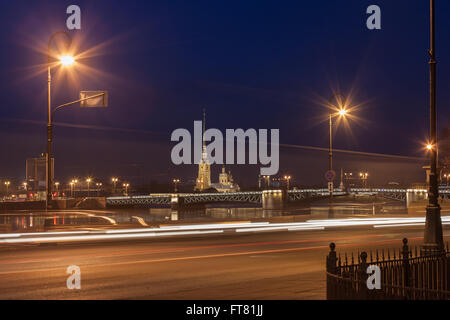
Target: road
[262,265]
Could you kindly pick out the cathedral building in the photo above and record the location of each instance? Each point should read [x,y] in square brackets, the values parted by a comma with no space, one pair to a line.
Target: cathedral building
[226,183]
[203,182]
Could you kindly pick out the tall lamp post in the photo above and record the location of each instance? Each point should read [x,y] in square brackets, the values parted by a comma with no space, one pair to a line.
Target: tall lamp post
[287,178]
[341,112]
[114,180]
[7,183]
[433,239]
[175,184]
[88,181]
[126,185]
[66,60]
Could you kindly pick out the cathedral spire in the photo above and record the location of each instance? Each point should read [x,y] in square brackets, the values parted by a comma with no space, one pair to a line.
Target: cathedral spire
[204,127]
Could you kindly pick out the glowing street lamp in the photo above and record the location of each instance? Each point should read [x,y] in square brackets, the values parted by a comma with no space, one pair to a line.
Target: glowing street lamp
[447,176]
[287,178]
[72,186]
[7,183]
[88,181]
[364,176]
[126,185]
[175,183]
[114,180]
[98,184]
[64,60]
[342,112]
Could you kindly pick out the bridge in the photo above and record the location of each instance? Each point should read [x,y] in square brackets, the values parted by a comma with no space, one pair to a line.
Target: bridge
[256,197]
[271,199]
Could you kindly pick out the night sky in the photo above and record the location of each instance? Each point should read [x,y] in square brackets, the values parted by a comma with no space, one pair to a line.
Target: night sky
[251,64]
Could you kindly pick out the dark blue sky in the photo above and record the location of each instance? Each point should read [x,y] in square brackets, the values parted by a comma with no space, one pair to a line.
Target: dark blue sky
[253,64]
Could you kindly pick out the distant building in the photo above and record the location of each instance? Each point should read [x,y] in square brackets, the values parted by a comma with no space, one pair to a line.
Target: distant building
[226,183]
[36,172]
[203,181]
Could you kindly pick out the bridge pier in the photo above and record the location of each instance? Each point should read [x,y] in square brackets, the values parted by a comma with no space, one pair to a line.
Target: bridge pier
[274,199]
[176,203]
[414,195]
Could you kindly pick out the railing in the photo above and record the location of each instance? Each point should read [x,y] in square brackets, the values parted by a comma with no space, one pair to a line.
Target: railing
[403,275]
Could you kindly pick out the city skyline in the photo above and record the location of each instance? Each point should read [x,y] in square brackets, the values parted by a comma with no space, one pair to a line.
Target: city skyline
[174,94]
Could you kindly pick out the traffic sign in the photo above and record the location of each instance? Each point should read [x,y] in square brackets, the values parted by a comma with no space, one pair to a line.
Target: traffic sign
[99,99]
[330,175]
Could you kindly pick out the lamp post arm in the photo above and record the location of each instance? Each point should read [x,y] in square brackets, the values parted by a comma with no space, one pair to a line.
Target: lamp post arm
[74,102]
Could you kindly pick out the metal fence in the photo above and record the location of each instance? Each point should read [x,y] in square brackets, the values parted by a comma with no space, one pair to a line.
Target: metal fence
[405,274]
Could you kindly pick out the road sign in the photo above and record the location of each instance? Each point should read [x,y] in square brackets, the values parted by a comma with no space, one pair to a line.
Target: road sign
[330,175]
[100,100]
[330,187]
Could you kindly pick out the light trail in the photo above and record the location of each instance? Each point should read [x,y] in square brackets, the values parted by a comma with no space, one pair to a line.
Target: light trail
[212,229]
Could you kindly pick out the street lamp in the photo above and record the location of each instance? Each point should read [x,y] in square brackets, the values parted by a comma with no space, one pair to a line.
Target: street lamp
[342,112]
[175,183]
[447,176]
[98,184]
[433,238]
[65,60]
[72,185]
[287,178]
[114,180]
[126,185]
[7,183]
[57,188]
[88,180]
[364,176]
[267,178]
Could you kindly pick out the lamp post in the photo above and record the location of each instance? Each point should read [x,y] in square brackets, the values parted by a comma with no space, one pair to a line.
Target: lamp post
[341,112]
[98,184]
[7,183]
[175,183]
[88,181]
[57,188]
[66,60]
[71,188]
[114,180]
[126,185]
[287,178]
[433,239]
[74,183]
[364,176]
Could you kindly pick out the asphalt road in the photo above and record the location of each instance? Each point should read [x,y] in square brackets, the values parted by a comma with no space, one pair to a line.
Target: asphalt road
[266,265]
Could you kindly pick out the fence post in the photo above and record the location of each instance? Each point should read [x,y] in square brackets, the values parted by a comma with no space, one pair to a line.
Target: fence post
[406,271]
[331,269]
[363,290]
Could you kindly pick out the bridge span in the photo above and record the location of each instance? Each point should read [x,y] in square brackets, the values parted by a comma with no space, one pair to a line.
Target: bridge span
[268,198]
